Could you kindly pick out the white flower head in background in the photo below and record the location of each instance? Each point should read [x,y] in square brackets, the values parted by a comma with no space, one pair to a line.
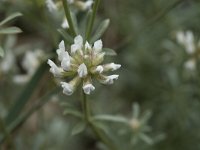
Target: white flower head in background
[7,62]
[186,39]
[192,47]
[81,5]
[30,63]
[84,63]
[70,1]
[51,5]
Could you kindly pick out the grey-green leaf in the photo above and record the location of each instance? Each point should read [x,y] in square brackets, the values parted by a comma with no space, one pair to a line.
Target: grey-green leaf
[109,52]
[1,52]
[11,17]
[110,118]
[66,36]
[100,30]
[146,138]
[10,30]
[73,112]
[25,95]
[78,128]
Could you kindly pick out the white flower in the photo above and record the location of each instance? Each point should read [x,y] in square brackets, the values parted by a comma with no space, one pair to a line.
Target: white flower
[31,61]
[70,1]
[98,46]
[65,24]
[63,56]
[190,64]
[82,70]
[180,37]
[112,67]
[187,40]
[21,79]
[87,4]
[83,5]
[57,72]
[7,62]
[65,64]
[61,50]
[87,46]
[78,44]
[88,88]
[110,79]
[99,69]
[51,5]
[67,88]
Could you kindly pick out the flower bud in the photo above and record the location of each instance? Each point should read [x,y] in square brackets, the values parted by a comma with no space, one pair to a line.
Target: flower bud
[98,59]
[111,67]
[107,79]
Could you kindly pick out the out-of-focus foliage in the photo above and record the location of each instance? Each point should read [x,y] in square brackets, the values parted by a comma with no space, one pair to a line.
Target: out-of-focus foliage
[153,74]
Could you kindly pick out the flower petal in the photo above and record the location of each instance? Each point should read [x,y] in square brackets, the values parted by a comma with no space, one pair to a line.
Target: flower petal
[55,70]
[65,64]
[61,50]
[98,46]
[88,88]
[108,79]
[67,88]
[99,69]
[82,70]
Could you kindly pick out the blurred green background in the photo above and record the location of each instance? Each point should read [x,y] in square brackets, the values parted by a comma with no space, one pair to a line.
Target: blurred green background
[143,35]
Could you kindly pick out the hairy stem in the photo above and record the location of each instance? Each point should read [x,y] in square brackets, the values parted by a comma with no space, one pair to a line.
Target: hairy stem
[91,19]
[69,18]
[99,134]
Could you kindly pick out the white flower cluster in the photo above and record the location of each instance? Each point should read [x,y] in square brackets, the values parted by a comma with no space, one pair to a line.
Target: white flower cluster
[84,63]
[187,40]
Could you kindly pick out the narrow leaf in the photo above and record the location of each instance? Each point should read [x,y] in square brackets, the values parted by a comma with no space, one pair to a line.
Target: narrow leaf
[109,52]
[11,17]
[75,23]
[78,128]
[119,119]
[101,126]
[136,110]
[73,112]
[66,36]
[25,95]
[100,30]
[146,138]
[10,30]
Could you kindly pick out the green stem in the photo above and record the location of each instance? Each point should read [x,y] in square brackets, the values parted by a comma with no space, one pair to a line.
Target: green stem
[91,19]
[99,134]
[69,18]
[86,107]
[6,133]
